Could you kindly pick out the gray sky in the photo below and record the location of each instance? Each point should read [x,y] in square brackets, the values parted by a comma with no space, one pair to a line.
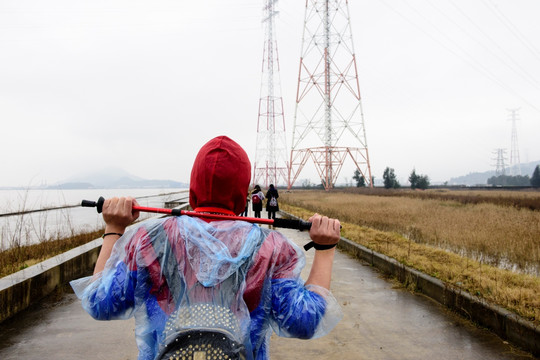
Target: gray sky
[141,85]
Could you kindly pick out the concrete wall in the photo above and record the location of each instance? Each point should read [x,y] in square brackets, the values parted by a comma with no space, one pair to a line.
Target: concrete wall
[26,287]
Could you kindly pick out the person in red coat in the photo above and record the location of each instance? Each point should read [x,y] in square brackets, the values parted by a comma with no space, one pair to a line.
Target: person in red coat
[187,280]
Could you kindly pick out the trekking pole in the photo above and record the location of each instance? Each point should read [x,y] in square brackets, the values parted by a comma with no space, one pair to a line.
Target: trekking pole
[283,223]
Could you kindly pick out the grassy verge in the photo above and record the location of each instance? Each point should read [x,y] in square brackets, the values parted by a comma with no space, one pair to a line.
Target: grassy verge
[515,292]
[20,257]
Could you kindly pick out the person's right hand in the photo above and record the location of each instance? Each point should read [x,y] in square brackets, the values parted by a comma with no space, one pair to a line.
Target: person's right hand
[118,213]
[324,231]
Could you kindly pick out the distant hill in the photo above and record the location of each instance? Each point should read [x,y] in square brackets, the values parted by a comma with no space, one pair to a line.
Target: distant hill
[72,185]
[481,178]
[113,178]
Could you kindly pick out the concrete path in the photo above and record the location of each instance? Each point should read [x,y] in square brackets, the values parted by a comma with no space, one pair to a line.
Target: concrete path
[382,321]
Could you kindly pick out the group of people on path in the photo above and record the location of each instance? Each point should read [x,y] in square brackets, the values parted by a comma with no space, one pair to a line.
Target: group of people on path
[257,197]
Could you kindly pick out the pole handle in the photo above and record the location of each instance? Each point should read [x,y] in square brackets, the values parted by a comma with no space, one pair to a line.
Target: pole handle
[279,222]
[292,224]
[98,205]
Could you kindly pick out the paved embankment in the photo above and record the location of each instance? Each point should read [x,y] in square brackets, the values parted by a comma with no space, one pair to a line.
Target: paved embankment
[381,321]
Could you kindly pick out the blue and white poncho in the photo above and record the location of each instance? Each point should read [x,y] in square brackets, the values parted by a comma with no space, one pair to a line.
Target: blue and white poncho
[173,264]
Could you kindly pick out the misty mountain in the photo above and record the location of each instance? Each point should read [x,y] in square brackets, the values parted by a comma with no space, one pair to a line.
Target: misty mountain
[481,178]
[114,178]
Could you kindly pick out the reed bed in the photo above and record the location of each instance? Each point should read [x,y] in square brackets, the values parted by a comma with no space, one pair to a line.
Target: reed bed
[20,257]
[520,199]
[502,236]
[467,246]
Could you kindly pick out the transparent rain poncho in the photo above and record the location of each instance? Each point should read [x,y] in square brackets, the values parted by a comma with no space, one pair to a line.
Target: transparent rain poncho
[180,274]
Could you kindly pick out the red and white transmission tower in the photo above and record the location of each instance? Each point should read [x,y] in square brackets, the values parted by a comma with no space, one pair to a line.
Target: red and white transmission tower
[270,166]
[328,120]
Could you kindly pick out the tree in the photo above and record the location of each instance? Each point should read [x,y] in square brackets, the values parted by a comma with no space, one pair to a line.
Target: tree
[360,180]
[413,179]
[509,180]
[535,179]
[389,179]
[306,183]
[423,182]
[418,181]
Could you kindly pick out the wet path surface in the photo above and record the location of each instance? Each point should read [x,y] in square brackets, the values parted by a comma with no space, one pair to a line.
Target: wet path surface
[384,321]
[380,322]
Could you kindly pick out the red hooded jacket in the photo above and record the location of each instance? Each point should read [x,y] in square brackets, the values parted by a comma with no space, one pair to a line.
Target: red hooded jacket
[220,176]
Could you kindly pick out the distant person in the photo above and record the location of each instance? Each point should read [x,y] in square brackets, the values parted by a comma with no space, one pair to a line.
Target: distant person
[257,198]
[271,202]
[217,286]
[248,198]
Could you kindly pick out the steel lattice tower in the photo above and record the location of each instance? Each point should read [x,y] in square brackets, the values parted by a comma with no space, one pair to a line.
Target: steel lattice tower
[500,167]
[328,120]
[515,167]
[270,166]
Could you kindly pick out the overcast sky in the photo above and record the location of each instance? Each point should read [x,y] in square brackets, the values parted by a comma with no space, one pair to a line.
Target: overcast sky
[142,85]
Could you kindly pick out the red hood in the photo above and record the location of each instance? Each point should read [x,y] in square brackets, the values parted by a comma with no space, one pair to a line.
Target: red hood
[220,176]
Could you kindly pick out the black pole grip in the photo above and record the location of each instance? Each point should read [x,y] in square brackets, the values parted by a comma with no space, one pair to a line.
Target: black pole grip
[292,224]
[88,203]
[98,204]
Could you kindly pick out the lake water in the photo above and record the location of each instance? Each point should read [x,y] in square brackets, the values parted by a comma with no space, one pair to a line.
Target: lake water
[33,227]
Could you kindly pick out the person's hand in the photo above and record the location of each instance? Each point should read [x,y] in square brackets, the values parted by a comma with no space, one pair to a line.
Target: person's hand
[118,213]
[324,231]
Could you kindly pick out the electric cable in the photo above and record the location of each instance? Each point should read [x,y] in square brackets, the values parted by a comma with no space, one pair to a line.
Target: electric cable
[513,29]
[490,39]
[527,77]
[474,63]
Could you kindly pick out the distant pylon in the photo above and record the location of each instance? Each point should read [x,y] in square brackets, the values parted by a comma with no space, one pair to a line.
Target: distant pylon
[500,167]
[270,166]
[328,120]
[515,163]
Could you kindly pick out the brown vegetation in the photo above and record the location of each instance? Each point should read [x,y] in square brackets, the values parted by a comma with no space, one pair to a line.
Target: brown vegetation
[20,257]
[484,239]
[499,235]
[520,199]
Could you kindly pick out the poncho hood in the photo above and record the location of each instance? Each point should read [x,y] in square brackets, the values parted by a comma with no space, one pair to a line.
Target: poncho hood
[220,176]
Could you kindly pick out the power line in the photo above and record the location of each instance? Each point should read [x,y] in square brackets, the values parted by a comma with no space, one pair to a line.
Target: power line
[471,61]
[513,29]
[525,75]
[490,38]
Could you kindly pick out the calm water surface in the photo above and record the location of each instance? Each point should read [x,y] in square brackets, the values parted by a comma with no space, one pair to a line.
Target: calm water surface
[33,227]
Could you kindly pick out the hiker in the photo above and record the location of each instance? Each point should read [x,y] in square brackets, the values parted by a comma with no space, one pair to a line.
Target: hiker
[257,198]
[271,202]
[248,199]
[186,279]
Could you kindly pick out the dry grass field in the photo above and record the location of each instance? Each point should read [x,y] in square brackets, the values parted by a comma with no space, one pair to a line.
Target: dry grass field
[520,199]
[20,257]
[488,248]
